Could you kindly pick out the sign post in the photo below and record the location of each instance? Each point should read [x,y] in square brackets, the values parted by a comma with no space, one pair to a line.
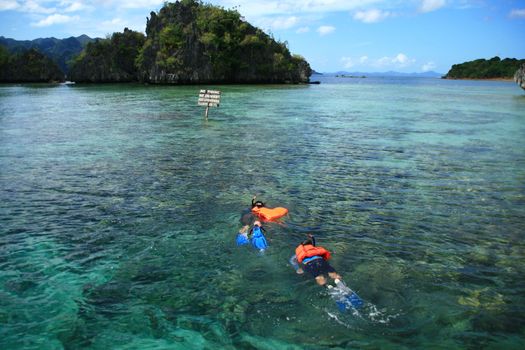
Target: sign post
[209,98]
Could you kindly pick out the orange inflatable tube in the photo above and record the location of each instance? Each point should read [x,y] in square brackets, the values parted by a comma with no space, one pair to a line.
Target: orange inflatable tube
[270,214]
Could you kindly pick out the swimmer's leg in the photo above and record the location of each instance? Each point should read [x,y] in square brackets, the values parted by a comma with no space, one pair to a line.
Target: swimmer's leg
[334,275]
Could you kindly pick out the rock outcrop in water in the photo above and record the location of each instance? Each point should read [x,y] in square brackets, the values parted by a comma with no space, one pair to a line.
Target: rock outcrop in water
[519,76]
[189,42]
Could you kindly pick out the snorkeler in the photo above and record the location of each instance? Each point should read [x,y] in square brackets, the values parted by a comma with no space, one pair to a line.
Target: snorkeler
[313,260]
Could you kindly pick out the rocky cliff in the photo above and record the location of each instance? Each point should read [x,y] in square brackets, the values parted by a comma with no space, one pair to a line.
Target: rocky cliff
[519,76]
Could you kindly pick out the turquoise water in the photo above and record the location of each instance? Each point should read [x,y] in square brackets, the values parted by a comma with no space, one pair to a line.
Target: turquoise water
[119,207]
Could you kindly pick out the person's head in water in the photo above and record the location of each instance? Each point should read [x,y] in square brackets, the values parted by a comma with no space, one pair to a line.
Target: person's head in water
[258,204]
[307,242]
[257,223]
[310,240]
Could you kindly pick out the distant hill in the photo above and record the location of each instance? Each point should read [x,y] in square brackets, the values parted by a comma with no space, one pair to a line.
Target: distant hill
[429,74]
[495,68]
[61,51]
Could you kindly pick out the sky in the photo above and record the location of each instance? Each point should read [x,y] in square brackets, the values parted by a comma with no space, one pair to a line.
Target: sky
[333,35]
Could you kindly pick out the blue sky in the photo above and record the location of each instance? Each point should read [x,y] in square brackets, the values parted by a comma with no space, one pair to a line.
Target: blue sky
[333,35]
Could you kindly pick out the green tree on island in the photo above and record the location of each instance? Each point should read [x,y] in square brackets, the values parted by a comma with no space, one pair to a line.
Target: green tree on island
[108,60]
[485,69]
[28,66]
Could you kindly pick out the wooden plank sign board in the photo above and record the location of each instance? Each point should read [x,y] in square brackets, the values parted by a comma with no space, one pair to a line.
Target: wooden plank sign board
[209,98]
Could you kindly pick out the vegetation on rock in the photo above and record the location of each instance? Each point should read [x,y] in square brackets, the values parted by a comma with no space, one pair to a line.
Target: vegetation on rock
[494,68]
[28,66]
[108,60]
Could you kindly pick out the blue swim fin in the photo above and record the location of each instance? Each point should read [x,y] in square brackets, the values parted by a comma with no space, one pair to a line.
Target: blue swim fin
[241,239]
[345,297]
[355,300]
[258,239]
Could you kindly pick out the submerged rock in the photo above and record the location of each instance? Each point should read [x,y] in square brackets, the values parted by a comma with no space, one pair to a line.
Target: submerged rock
[519,76]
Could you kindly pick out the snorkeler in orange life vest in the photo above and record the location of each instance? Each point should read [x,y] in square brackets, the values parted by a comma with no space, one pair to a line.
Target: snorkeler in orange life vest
[314,260]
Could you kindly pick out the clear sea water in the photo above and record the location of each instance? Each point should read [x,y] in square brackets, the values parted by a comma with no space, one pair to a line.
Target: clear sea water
[119,207]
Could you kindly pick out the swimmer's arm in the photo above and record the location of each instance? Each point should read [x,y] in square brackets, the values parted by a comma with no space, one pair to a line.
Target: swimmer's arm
[293,261]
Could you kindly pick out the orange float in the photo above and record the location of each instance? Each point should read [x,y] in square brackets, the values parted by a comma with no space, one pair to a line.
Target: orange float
[269,214]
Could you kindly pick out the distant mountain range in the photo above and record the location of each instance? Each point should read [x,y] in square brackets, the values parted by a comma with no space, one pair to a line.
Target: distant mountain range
[430,74]
[61,51]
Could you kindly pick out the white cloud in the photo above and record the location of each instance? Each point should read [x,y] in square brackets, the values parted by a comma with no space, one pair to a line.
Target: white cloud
[113,22]
[325,30]
[302,30]
[348,62]
[428,66]
[35,7]
[75,6]
[138,4]
[6,5]
[276,7]
[387,62]
[54,19]
[517,13]
[401,58]
[150,5]
[383,61]
[371,16]
[279,23]
[399,61]
[115,25]
[431,5]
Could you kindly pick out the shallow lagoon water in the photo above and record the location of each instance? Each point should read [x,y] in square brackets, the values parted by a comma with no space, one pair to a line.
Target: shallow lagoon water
[119,207]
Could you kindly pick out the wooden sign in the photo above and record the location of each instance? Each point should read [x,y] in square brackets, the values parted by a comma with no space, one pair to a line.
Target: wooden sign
[209,98]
